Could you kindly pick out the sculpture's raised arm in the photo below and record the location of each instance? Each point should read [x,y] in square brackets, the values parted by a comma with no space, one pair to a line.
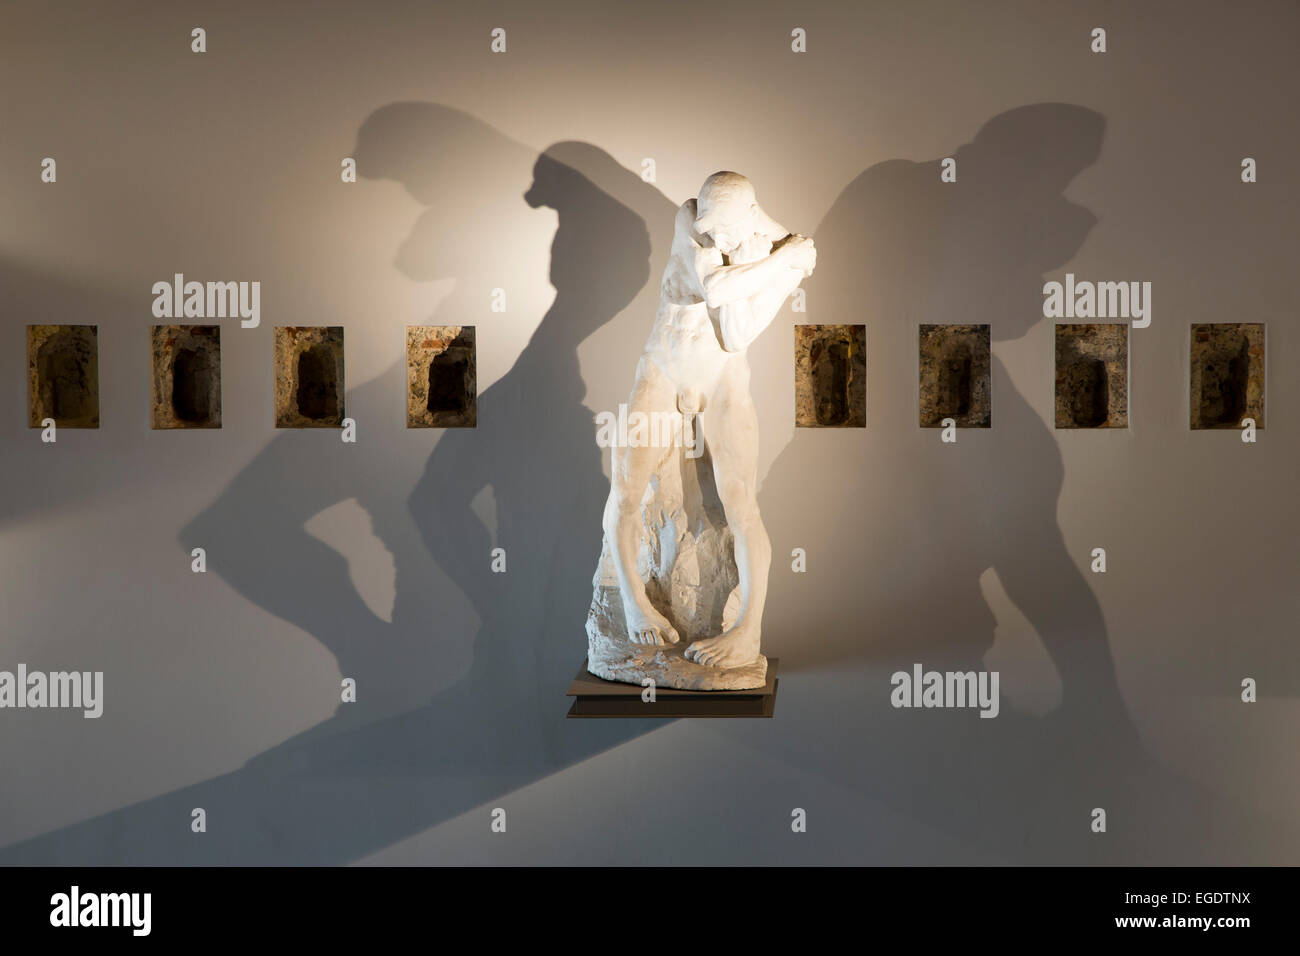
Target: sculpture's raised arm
[726,284]
[741,322]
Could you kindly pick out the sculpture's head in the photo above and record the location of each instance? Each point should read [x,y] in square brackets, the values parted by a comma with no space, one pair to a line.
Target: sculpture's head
[727,210]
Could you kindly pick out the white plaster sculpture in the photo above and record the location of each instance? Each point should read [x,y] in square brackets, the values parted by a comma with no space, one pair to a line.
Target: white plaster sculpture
[682,579]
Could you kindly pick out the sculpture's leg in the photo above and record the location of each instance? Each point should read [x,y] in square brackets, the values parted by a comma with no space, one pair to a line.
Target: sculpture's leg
[731,429]
[630,472]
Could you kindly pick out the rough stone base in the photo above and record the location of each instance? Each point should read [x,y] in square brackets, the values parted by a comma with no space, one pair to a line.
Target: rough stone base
[666,666]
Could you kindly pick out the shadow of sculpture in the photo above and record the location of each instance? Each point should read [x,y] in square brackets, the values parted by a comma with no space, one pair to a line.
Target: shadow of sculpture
[902,249]
[900,529]
[411,760]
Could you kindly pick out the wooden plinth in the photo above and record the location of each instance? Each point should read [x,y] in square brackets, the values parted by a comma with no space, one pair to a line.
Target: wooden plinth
[596,697]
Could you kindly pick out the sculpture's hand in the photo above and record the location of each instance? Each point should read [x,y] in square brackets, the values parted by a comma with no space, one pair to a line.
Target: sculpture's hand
[802,254]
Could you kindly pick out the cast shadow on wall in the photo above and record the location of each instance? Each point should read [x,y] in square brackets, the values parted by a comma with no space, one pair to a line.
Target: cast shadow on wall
[502,724]
[901,583]
[900,249]
[900,532]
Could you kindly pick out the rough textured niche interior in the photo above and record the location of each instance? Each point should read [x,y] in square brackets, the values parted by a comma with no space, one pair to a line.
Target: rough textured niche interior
[830,376]
[1092,375]
[63,375]
[1227,374]
[441,377]
[955,376]
[186,376]
[309,376]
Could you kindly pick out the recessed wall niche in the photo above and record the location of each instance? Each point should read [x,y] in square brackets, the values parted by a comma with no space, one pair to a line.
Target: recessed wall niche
[1227,374]
[955,378]
[830,376]
[186,376]
[63,375]
[441,377]
[308,376]
[1092,376]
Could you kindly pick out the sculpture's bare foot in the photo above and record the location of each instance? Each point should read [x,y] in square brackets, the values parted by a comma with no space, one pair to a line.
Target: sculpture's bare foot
[733,648]
[645,625]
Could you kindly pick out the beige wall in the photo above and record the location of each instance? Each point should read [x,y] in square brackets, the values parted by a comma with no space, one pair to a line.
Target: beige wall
[225,166]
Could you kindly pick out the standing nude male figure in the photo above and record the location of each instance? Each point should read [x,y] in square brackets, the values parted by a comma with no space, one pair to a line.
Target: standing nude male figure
[730,269]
